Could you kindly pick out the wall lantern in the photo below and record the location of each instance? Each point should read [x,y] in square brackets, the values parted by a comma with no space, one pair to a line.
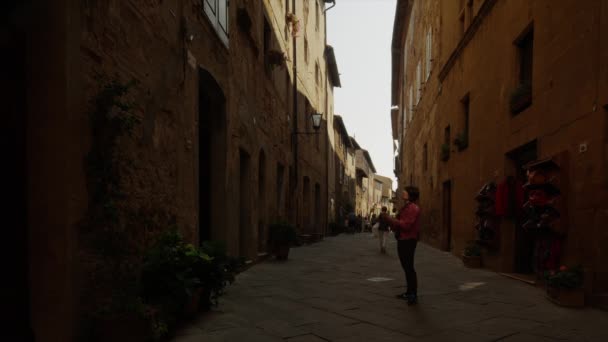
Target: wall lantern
[316,124]
[316,120]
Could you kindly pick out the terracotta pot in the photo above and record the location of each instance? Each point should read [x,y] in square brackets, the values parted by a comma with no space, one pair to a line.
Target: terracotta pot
[282,252]
[471,261]
[193,305]
[566,297]
[122,328]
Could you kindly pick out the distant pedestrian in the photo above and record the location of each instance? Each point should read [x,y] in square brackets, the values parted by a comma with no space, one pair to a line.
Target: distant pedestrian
[383,229]
[407,231]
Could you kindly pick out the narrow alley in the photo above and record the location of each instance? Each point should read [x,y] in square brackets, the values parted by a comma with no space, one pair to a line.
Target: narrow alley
[160,149]
[342,289]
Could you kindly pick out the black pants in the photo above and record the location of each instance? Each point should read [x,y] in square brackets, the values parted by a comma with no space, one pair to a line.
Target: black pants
[406,250]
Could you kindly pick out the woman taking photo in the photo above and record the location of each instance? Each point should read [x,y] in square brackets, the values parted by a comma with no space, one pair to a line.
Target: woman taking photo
[406,226]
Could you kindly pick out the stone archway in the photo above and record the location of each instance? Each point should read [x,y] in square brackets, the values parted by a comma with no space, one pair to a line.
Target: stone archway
[262,206]
[212,150]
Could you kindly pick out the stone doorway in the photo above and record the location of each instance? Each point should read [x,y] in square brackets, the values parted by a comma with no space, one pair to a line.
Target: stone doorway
[13,94]
[447,215]
[317,209]
[212,157]
[244,203]
[523,251]
[262,234]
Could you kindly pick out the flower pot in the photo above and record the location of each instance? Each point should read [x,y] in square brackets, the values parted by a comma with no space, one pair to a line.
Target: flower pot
[282,252]
[471,261]
[566,297]
[122,328]
[194,303]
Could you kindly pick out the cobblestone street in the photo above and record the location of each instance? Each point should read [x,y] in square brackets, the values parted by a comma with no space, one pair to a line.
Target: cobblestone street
[342,289]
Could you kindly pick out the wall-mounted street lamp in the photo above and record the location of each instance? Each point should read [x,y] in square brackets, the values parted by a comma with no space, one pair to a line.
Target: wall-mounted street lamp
[316,123]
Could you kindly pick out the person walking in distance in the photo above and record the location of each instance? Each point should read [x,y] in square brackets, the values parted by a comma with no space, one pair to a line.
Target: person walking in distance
[407,228]
[383,228]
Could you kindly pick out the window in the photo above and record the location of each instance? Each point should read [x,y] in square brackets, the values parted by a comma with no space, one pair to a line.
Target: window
[286,25]
[280,184]
[217,12]
[306,10]
[267,45]
[447,138]
[318,139]
[521,98]
[526,54]
[317,73]
[418,83]
[317,15]
[404,120]
[411,104]
[306,50]
[425,158]
[463,138]
[429,53]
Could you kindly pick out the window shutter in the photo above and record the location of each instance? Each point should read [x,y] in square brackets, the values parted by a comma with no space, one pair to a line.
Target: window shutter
[428,54]
[218,13]
[411,103]
[418,82]
[223,15]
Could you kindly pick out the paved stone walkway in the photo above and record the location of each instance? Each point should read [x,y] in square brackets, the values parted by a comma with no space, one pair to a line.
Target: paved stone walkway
[324,293]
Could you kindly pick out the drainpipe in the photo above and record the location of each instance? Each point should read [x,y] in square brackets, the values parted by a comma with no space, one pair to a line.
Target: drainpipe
[327,154]
[294,136]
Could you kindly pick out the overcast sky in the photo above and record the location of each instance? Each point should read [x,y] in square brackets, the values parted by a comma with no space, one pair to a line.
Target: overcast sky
[360,32]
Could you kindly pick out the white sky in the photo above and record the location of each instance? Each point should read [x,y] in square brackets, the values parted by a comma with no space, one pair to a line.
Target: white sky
[361,32]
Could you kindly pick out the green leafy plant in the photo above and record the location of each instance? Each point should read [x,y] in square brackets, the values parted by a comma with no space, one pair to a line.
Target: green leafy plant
[565,277]
[521,97]
[472,250]
[462,140]
[282,233]
[219,273]
[276,58]
[169,272]
[445,152]
[169,277]
[111,118]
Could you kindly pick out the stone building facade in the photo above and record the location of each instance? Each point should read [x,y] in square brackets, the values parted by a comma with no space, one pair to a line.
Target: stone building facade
[481,89]
[345,182]
[365,186]
[386,197]
[212,113]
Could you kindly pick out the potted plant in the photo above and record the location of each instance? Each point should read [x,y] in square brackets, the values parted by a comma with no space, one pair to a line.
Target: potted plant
[294,22]
[564,287]
[218,273]
[169,278]
[445,152]
[276,58]
[471,257]
[521,97]
[123,318]
[282,235]
[461,141]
